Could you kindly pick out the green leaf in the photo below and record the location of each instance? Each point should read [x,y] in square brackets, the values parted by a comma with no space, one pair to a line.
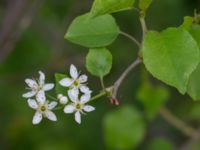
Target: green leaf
[152,98]
[101,7]
[171,56]
[160,144]
[123,128]
[93,32]
[60,89]
[195,32]
[144,4]
[99,61]
[194,84]
[187,23]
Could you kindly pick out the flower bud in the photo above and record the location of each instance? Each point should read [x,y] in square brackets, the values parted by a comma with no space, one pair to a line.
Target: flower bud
[63,100]
[59,96]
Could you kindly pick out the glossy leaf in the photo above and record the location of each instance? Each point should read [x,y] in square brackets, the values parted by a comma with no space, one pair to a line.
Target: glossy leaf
[99,61]
[171,56]
[101,7]
[124,128]
[195,32]
[93,32]
[194,82]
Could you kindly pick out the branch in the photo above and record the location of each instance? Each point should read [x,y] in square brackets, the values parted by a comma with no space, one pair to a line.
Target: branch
[144,26]
[194,138]
[119,81]
[15,23]
[131,38]
[176,122]
[13,13]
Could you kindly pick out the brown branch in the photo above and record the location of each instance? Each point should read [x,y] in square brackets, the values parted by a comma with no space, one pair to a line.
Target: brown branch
[134,40]
[13,13]
[119,81]
[176,122]
[17,20]
[195,137]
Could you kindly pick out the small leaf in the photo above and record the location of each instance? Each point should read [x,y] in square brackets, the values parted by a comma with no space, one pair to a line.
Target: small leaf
[123,128]
[60,89]
[171,56]
[101,7]
[160,144]
[144,4]
[153,98]
[99,61]
[93,32]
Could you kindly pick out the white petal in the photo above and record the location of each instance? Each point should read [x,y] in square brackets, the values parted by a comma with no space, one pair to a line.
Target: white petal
[50,115]
[29,94]
[52,105]
[73,72]
[85,98]
[40,97]
[85,89]
[41,78]
[78,117]
[37,118]
[66,82]
[73,94]
[88,108]
[31,83]
[48,86]
[82,78]
[32,103]
[69,109]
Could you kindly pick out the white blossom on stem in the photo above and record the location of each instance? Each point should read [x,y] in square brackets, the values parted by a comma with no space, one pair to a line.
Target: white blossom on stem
[76,81]
[36,86]
[78,106]
[43,108]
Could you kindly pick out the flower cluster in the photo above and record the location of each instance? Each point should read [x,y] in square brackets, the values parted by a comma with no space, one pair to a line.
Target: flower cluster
[74,100]
[40,103]
[78,93]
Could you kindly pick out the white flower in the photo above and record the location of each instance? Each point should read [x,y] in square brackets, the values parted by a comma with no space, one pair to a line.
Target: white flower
[37,86]
[43,108]
[76,81]
[78,106]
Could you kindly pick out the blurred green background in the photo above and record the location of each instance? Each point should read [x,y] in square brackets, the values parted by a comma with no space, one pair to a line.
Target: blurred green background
[31,39]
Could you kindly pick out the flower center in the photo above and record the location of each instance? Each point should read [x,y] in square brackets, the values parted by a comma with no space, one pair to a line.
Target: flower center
[76,83]
[43,108]
[78,106]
